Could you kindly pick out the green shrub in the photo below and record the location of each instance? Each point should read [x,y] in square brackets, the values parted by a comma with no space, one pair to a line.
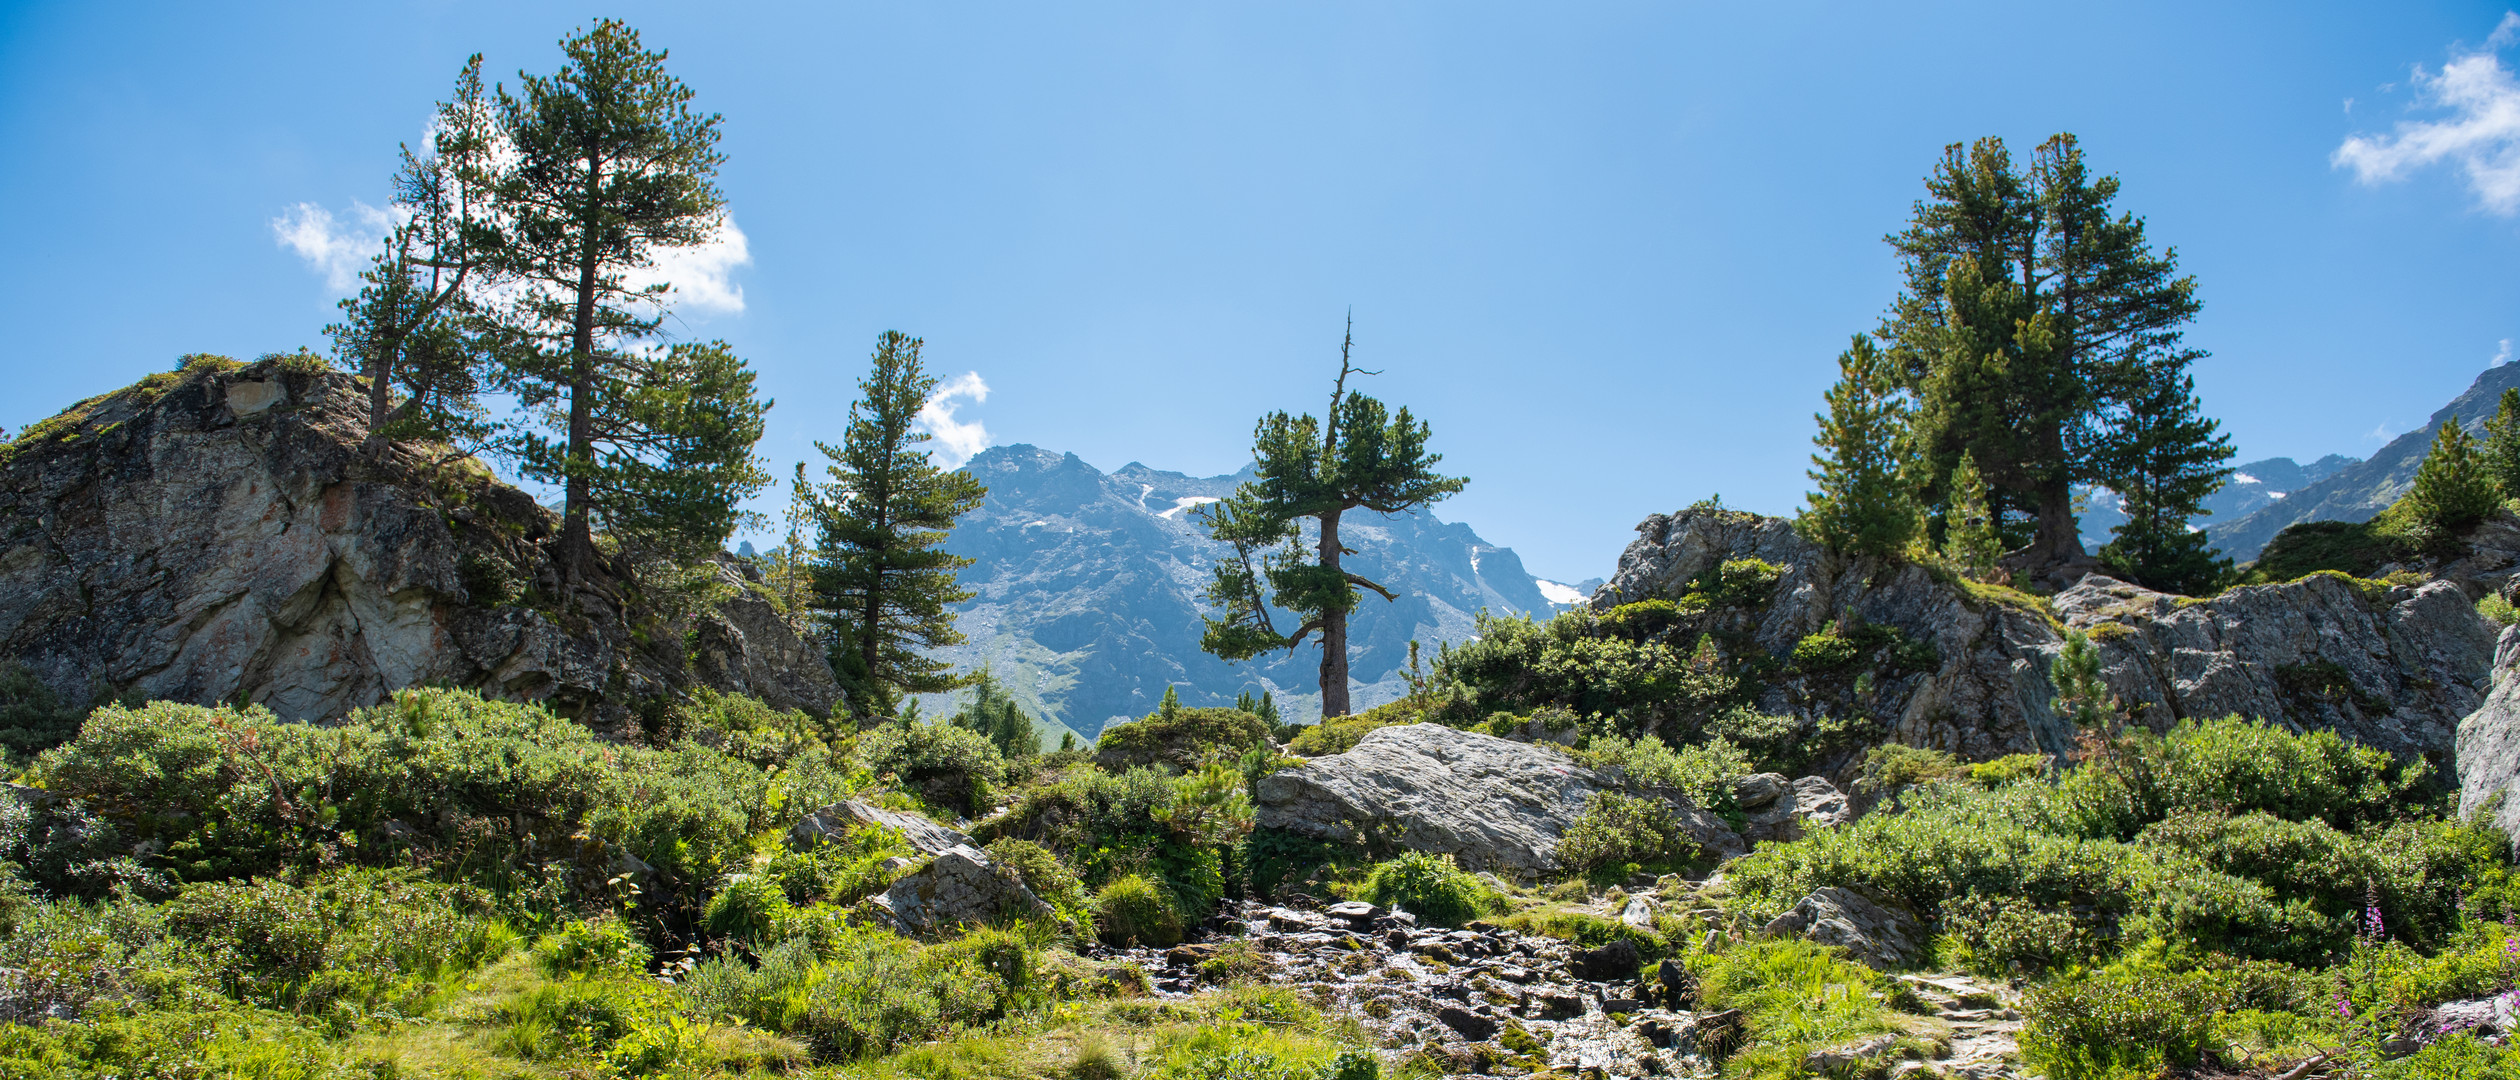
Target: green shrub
[2107,1027]
[1795,996]
[1178,737]
[1340,734]
[1616,831]
[1893,767]
[2006,769]
[359,938]
[1041,871]
[1702,773]
[1429,886]
[1134,911]
[841,870]
[951,768]
[2494,608]
[1826,651]
[33,719]
[600,946]
[869,992]
[747,909]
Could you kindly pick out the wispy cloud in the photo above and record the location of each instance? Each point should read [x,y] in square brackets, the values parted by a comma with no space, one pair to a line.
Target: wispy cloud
[957,441]
[701,275]
[2481,134]
[335,248]
[2502,355]
[2381,433]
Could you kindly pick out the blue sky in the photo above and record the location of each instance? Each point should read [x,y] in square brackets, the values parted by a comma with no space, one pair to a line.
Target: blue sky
[1609,251]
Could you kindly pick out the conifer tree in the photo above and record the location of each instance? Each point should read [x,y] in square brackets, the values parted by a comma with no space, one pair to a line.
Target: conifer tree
[879,575]
[1971,539]
[2167,459]
[2026,303]
[415,327]
[1362,457]
[1863,506]
[2502,444]
[2451,491]
[610,166]
[994,713]
[2082,699]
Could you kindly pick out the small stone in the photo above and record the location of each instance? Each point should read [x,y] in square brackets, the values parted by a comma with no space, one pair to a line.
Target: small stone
[1472,1026]
[1615,962]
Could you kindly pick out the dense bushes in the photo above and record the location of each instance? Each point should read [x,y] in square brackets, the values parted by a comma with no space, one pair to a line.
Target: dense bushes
[952,768]
[1430,887]
[1179,737]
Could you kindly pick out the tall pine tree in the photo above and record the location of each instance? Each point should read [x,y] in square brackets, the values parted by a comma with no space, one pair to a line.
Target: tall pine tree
[2167,457]
[1362,457]
[879,574]
[610,166]
[2028,298]
[2502,444]
[1971,539]
[1863,506]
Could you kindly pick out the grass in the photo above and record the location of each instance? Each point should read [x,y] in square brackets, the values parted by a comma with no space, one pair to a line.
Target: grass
[1795,997]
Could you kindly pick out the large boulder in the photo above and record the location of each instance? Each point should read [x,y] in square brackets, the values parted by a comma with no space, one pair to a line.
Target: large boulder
[837,819]
[225,534]
[1878,936]
[1491,803]
[1775,809]
[2489,742]
[961,887]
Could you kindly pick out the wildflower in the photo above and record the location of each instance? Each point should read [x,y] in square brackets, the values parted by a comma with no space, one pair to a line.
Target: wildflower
[2344,1008]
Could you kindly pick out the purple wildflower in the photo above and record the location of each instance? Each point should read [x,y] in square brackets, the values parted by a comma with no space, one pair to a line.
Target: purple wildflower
[2372,926]
[2344,1007]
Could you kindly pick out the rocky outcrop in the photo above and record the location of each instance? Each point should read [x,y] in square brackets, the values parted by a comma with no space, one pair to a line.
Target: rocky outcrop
[2393,666]
[840,818]
[1881,937]
[961,887]
[2489,742]
[1491,803]
[219,535]
[1775,810]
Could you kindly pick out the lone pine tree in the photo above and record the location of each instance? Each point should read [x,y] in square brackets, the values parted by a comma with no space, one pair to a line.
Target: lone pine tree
[610,166]
[2452,490]
[2166,459]
[879,574]
[2502,444]
[1312,471]
[2027,304]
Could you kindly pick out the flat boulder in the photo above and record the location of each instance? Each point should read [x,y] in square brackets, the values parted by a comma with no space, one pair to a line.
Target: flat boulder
[1878,936]
[961,887]
[1491,803]
[833,821]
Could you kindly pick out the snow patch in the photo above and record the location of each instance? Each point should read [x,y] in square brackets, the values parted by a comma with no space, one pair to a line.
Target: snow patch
[2244,478]
[1183,503]
[1558,594]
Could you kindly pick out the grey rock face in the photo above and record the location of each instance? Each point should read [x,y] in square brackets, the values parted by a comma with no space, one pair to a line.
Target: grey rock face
[226,537]
[1778,811]
[835,820]
[2489,741]
[1491,803]
[1989,696]
[1880,937]
[960,887]
[2396,670]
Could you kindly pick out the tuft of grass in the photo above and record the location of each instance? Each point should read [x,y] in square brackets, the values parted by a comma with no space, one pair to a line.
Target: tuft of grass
[1795,997]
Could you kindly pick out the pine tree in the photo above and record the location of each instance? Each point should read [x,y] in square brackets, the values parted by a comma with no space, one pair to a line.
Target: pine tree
[2169,459]
[2026,302]
[994,713]
[879,575]
[1863,506]
[2082,698]
[670,438]
[2452,491]
[2502,444]
[415,327]
[1971,539]
[610,167]
[1363,457]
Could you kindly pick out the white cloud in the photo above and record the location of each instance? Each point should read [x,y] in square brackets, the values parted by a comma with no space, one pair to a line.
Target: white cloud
[700,274]
[2381,433]
[2481,135]
[957,441]
[2502,355]
[334,248]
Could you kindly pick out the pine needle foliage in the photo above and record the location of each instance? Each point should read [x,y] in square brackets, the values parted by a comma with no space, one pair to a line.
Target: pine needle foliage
[2167,459]
[2502,444]
[1972,539]
[1863,505]
[2452,489]
[880,576]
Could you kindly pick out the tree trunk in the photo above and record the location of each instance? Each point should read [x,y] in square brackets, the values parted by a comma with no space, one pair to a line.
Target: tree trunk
[1334,661]
[2059,539]
[577,540]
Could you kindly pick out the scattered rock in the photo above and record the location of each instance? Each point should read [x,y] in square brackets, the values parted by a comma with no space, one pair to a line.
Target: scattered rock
[1615,962]
[2489,741]
[1638,913]
[1472,1026]
[1851,1055]
[833,821]
[1787,811]
[960,887]
[1874,935]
